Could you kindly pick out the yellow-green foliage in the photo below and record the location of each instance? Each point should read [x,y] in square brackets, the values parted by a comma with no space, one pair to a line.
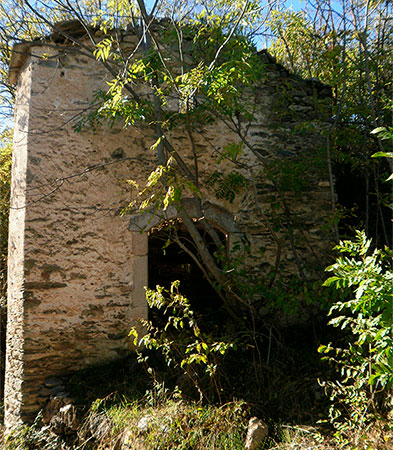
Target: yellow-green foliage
[5,180]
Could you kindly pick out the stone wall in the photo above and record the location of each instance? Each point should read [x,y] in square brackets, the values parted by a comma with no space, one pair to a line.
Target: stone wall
[77,268]
[76,274]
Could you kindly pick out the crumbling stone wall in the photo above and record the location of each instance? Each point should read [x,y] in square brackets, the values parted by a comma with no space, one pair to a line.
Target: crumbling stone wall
[77,268]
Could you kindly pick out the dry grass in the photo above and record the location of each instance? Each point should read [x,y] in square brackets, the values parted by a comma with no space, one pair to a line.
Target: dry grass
[176,424]
[173,425]
[379,436]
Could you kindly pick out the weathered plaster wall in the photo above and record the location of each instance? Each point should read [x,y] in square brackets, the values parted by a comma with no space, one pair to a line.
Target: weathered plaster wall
[77,268]
[76,273]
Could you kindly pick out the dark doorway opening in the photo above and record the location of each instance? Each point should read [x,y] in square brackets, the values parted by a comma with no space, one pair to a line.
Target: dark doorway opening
[167,262]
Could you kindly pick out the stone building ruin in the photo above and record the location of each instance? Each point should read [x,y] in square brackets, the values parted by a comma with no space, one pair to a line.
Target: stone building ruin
[77,268]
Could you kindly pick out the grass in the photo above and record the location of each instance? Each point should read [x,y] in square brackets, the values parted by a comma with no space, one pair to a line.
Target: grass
[163,421]
[141,415]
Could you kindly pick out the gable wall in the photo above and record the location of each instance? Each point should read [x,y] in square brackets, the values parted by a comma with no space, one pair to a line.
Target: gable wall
[77,270]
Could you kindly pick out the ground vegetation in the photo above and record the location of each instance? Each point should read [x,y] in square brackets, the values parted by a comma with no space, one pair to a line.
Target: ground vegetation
[348,47]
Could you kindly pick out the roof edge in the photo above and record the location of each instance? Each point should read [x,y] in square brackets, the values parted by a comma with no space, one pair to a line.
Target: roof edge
[20,51]
[64,31]
[19,54]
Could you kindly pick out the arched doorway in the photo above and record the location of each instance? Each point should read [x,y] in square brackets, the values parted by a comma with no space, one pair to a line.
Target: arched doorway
[163,264]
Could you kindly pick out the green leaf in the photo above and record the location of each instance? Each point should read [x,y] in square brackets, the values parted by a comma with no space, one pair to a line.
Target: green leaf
[378,130]
[382,155]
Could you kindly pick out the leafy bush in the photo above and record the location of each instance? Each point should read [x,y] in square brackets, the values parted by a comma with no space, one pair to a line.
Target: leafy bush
[185,348]
[366,363]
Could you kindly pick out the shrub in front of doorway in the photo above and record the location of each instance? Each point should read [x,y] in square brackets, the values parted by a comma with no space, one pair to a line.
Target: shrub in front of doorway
[187,350]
